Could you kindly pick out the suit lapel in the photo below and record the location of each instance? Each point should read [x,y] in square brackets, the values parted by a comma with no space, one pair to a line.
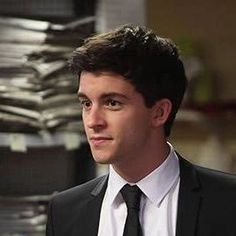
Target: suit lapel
[93,207]
[189,200]
[188,203]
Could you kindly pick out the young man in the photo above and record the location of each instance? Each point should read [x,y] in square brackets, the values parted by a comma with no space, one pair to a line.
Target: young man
[131,84]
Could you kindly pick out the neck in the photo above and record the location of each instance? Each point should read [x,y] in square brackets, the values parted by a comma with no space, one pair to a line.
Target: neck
[143,166]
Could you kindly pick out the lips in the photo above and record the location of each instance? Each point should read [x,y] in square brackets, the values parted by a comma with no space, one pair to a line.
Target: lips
[99,140]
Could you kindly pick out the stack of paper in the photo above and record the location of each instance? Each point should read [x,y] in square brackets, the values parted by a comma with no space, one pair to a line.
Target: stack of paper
[37,90]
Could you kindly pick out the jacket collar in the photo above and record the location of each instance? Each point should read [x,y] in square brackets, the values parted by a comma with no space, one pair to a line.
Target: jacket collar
[189,199]
[101,186]
[93,207]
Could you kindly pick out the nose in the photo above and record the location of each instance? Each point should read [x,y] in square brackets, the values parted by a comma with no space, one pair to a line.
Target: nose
[94,119]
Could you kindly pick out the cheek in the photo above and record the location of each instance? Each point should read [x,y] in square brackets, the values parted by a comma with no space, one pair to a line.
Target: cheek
[131,126]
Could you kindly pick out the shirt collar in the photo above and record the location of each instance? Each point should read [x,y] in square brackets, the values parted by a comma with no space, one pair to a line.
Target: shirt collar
[155,186]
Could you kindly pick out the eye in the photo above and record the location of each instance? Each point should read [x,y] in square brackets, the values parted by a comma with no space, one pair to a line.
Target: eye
[113,104]
[85,104]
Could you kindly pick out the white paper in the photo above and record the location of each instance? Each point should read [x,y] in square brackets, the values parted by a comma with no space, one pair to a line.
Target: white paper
[72,141]
[17,143]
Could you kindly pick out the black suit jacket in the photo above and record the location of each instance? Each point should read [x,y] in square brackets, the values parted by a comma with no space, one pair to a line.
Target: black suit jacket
[206,205]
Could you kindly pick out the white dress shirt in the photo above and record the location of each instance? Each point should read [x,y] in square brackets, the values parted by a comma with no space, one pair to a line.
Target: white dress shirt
[158,206]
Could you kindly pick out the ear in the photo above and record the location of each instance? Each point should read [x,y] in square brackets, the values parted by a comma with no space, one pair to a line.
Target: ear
[161,111]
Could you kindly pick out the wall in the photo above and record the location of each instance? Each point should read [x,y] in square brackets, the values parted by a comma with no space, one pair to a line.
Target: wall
[211,24]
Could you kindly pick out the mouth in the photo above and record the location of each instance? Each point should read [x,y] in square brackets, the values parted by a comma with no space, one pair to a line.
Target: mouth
[100,140]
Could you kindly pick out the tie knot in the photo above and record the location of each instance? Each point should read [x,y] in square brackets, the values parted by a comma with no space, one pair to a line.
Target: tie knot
[131,196]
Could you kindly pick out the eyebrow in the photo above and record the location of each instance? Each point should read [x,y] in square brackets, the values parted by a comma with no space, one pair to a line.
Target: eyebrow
[105,95]
[81,95]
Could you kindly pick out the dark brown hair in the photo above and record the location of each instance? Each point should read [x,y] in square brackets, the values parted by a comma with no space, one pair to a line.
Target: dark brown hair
[149,62]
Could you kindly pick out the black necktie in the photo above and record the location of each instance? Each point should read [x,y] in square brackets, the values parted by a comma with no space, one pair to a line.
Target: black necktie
[132,195]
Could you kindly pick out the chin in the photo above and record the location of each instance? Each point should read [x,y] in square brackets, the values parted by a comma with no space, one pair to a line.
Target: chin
[103,159]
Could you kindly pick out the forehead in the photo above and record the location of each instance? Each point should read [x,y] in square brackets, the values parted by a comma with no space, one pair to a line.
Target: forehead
[91,83]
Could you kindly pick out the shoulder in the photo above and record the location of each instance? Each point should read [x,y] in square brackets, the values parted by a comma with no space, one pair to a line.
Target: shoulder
[80,192]
[209,180]
[74,207]
[216,179]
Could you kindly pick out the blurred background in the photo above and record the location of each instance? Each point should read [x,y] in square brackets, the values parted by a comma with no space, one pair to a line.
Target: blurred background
[43,148]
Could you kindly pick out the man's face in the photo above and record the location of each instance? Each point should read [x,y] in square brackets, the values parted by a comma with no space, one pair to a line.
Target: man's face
[117,122]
